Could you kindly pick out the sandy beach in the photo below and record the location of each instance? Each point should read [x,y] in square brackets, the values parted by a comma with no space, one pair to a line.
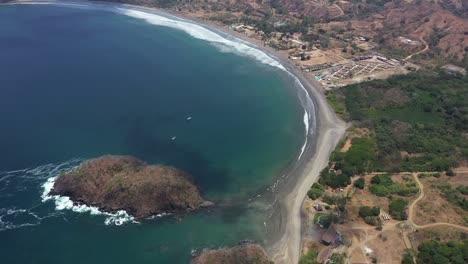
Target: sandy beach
[288,215]
[286,222]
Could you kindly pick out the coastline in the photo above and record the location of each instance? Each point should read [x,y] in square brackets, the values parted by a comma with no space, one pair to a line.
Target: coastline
[329,129]
[293,190]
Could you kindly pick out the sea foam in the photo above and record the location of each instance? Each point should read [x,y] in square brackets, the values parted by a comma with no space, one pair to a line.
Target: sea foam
[225,43]
[65,203]
[197,31]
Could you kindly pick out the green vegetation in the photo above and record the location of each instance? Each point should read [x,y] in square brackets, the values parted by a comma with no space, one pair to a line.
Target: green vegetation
[370,215]
[407,257]
[338,258]
[336,102]
[359,183]
[340,203]
[315,191]
[432,252]
[455,195]
[325,220]
[425,175]
[365,211]
[424,114]
[309,258]
[383,185]
[330,178]
[357,160]
[397,209]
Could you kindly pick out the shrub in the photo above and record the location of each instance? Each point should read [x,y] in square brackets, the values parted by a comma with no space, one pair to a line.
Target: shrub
[450,173]
[359,183]
[407,257]
[309,258]
[397,209]
[371,220]
[365,211]
[330,178]
[315,191]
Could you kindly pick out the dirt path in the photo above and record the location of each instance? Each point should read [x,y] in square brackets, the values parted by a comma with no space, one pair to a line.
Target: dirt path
[413,204]
[426,47]
[360,244]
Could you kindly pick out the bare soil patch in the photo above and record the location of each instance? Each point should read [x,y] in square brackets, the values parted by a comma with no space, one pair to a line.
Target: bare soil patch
[435,208]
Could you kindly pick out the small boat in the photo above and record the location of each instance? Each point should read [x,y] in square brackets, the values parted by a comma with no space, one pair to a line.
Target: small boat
[173,138]
[189,118]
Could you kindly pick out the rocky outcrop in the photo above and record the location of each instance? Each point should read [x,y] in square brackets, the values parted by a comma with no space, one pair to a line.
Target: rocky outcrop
[242,254]
[115,183]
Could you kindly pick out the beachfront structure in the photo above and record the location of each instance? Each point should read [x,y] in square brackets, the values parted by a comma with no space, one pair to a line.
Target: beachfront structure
[454,70]
[331,236]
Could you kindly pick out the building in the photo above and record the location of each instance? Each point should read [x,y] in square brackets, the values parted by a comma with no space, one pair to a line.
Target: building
[318,207]
[454,70]
[331,236]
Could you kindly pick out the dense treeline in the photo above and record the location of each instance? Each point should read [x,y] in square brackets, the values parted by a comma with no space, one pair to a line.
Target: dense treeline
[357,160]
[425,115]
[432,252]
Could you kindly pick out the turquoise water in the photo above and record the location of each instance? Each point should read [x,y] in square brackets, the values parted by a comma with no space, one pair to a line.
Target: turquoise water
[78,83]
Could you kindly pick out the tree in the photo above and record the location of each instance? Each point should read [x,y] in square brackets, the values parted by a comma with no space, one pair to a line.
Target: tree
[397,209]
[315,191]
[365,211]
[407,257]
[450,173]
[359,183]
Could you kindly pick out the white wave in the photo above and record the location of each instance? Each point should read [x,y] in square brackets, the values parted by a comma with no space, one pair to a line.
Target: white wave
[223,43]
[65,203]
[203,33]
[306,123]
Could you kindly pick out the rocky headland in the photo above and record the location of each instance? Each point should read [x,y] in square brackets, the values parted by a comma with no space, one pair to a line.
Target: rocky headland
[114,183]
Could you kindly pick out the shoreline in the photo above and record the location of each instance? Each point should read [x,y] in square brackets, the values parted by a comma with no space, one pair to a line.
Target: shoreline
[329,129]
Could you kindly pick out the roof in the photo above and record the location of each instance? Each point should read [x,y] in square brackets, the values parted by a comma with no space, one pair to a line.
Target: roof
[453,68]
[330,236]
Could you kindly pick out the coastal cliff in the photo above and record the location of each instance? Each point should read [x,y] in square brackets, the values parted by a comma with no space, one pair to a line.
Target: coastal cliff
[242,254]
[115,183]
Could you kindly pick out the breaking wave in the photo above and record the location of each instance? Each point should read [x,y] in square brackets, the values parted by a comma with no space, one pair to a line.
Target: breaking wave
[25,199]
[224,43]
[65,203]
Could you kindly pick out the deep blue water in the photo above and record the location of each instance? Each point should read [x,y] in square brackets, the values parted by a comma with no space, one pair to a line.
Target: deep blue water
[79,83]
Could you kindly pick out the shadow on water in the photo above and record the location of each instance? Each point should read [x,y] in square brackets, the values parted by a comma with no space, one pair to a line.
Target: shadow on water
[142,141]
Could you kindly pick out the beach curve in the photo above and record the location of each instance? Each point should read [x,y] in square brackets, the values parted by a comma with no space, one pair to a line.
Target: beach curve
[319,143]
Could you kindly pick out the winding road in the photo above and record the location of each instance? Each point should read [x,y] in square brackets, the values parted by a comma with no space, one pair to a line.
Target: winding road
[413,204]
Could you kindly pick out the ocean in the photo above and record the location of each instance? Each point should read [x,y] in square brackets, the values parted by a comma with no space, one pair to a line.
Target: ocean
[80,81]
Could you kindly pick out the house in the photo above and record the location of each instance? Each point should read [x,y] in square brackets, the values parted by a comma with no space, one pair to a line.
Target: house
[331,236]
[454,70]
[318,207]
[279,24]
